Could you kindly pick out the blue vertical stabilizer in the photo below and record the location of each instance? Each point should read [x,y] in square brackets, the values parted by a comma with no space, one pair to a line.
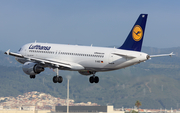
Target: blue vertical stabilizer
[135,38]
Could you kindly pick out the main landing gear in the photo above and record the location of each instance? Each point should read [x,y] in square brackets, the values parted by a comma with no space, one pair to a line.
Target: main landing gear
[94,79]
[57,78]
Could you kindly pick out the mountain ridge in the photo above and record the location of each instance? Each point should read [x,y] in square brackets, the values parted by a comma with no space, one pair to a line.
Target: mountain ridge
[155,82]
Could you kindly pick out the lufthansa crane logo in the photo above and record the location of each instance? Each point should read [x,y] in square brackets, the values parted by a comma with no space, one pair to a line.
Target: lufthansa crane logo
[137,33]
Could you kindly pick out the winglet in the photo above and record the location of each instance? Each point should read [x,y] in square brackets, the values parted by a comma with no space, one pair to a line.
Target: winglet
[7,52]
[171,54]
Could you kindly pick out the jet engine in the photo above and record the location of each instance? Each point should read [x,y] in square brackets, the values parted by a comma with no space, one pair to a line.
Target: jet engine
[86,72]
[31,68]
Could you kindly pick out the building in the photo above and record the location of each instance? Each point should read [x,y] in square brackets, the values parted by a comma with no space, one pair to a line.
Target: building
[86,109]
[27,108]
[23,111]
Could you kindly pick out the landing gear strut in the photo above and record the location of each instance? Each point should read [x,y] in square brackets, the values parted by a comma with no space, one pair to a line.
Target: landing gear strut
[57,78]
[94,79]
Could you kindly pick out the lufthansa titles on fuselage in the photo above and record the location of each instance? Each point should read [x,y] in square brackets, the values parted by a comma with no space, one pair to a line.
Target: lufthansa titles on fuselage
[98,53]
[39,47]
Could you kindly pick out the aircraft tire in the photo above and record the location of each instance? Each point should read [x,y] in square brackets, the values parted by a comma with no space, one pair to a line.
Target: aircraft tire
[96,79]
[60,79]
[32,76]
[91,79]
[55,79]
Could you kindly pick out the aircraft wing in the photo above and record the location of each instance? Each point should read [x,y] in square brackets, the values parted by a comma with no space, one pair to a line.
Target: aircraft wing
[13,54]
[50,62]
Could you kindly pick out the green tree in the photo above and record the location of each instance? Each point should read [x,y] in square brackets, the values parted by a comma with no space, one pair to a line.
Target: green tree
[133,111]
[138,104]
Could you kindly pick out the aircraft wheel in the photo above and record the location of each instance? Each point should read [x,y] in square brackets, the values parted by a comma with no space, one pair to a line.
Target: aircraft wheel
[60,79]
[91,79]
[32,76]
[96,79]
[55,79]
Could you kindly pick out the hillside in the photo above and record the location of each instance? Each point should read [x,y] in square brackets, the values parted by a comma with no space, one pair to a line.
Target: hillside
[155,83]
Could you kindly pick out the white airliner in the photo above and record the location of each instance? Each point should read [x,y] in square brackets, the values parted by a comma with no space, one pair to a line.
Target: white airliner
[87,60]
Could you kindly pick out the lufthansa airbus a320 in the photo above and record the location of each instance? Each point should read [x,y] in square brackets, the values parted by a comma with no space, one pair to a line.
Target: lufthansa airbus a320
[87,60]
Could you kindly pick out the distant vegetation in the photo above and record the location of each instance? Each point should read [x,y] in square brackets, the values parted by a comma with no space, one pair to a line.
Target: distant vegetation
[155,83]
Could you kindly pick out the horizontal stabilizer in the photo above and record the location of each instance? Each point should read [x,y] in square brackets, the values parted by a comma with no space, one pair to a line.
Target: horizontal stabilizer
[151,56]
[124,55]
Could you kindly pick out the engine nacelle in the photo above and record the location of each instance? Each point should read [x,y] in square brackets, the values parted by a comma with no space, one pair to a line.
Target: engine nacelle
[31,68]
[86,72]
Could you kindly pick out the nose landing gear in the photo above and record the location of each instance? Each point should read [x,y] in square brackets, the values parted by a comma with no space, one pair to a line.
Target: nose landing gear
[32,76]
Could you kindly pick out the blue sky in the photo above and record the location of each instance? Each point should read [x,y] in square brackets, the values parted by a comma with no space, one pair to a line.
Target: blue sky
[86,22]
